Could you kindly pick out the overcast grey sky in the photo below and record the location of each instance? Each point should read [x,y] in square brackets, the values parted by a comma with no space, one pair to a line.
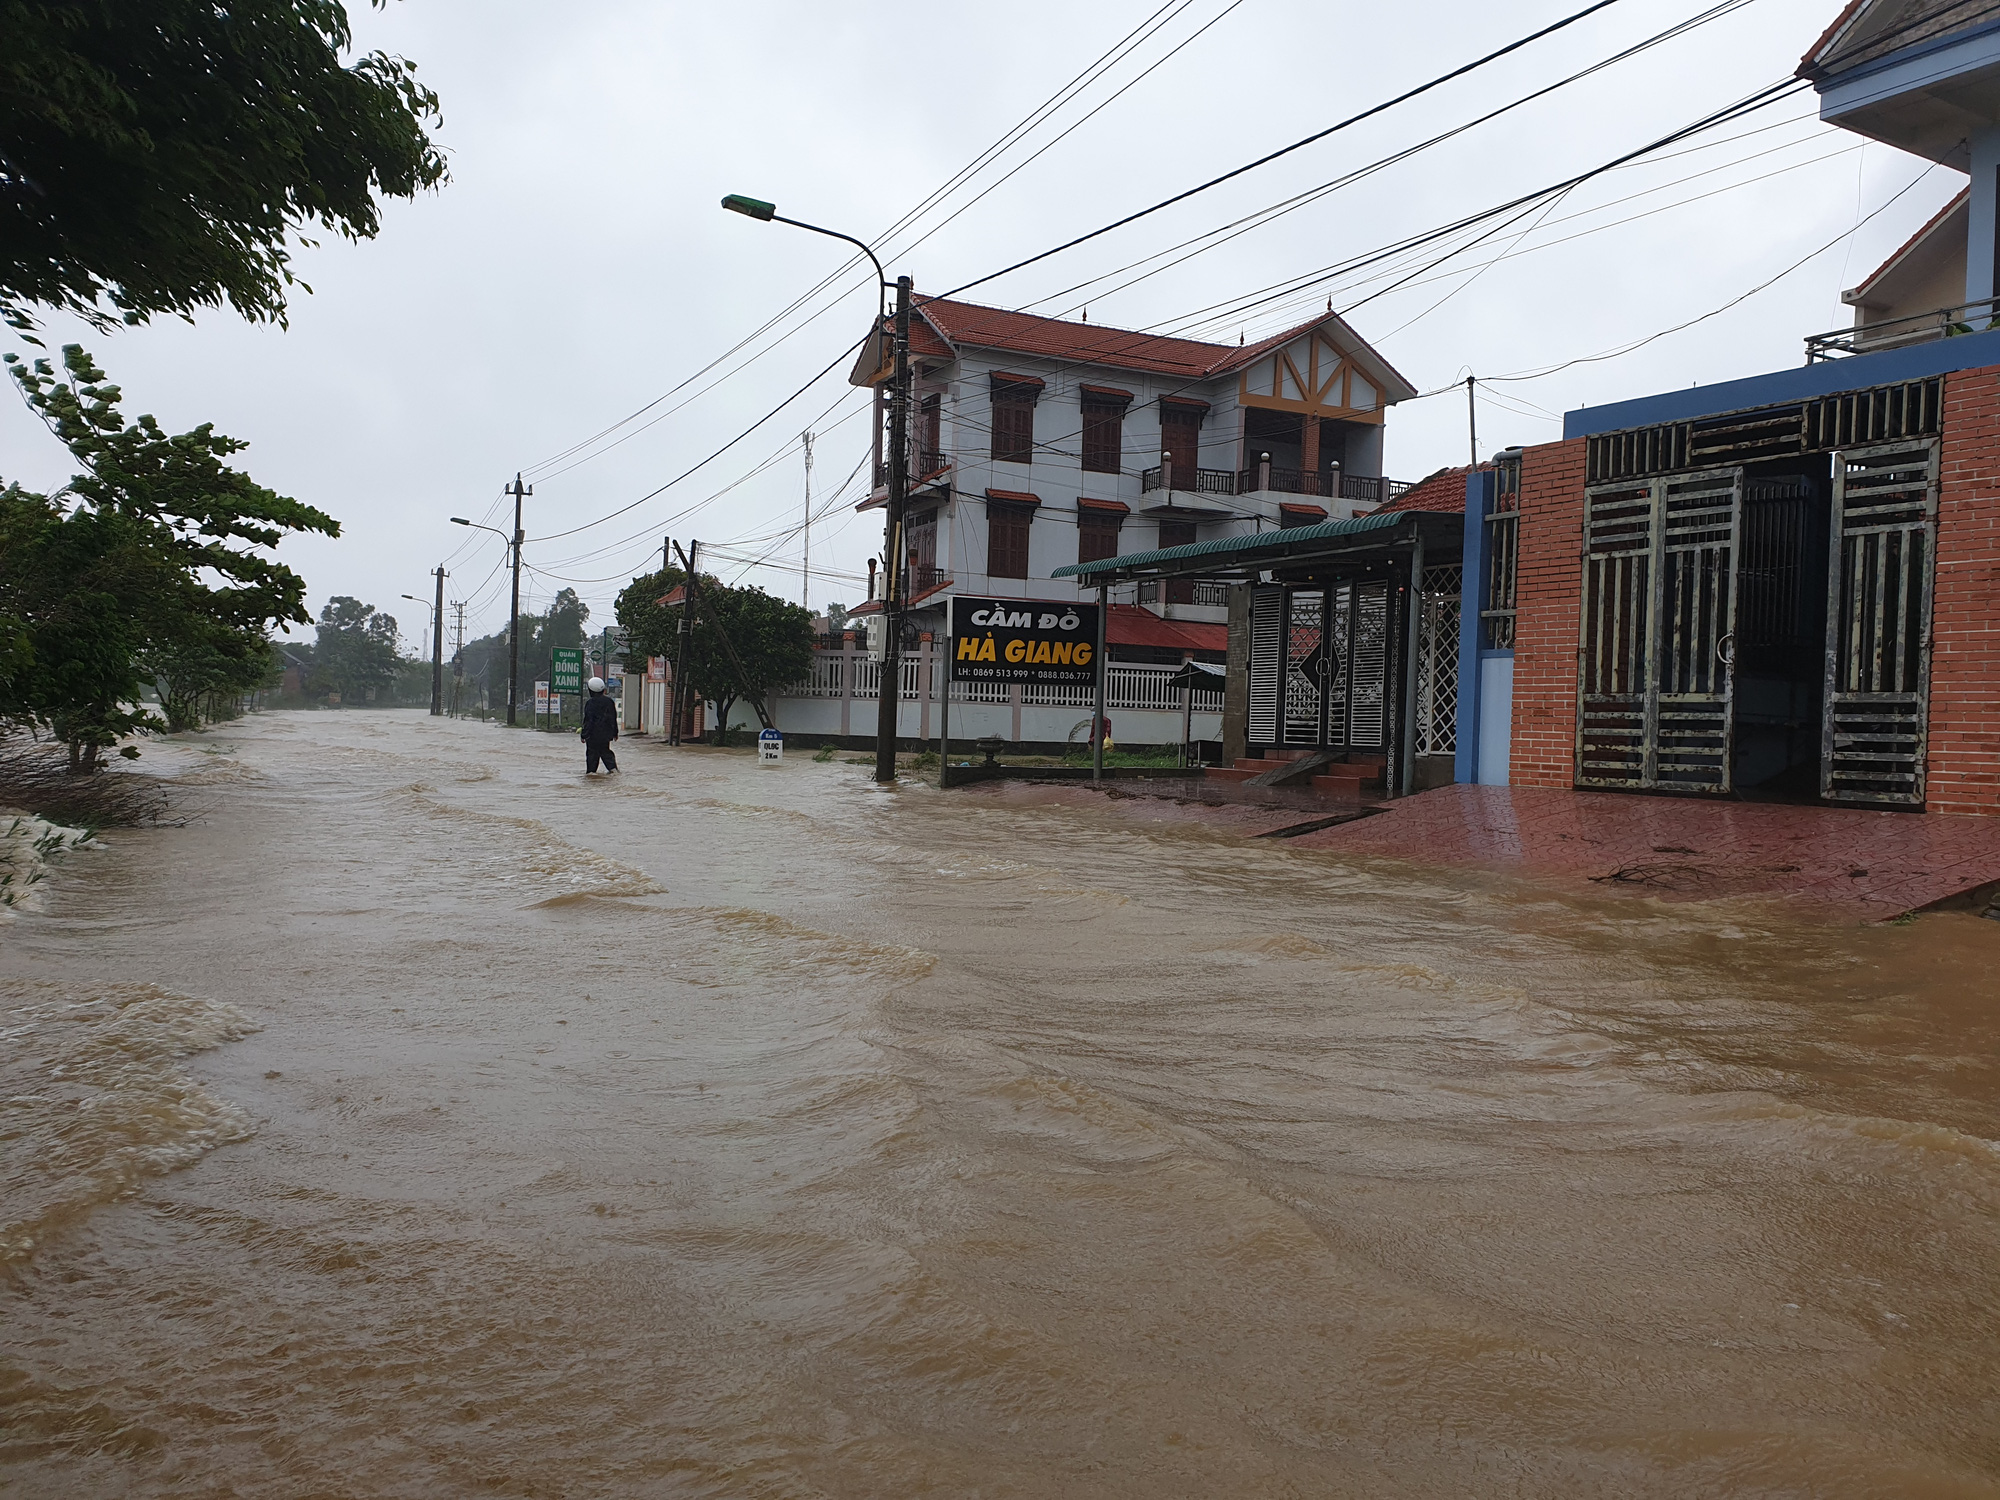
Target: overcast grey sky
[577,266]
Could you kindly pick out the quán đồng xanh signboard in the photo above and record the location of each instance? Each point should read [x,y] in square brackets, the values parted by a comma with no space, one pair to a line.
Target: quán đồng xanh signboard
[1023,640]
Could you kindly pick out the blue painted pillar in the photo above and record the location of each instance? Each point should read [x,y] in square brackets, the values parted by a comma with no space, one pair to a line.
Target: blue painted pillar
[1982,232]
[1480,489]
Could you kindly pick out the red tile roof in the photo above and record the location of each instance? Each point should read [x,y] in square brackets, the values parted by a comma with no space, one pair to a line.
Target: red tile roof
[941,324]
[1132,625]
[1443,492]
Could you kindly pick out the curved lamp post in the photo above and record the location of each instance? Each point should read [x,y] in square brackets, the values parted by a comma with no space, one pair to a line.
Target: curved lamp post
[889,694]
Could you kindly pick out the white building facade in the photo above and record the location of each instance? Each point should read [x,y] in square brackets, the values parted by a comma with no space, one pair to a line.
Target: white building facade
[1037,442]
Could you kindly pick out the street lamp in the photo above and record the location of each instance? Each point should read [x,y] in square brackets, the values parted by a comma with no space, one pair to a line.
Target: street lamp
[514,616]
[889,694]
[437,640]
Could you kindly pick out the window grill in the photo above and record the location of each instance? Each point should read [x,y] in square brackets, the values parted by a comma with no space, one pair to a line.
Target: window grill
[1503,550]
[1883,414]
[1437,663]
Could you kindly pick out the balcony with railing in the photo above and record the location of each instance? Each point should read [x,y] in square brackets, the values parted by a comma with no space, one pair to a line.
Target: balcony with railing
[1264,478]
[1900,333]
[926,464]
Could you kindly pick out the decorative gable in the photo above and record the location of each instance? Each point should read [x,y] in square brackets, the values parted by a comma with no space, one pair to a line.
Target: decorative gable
[1312,375]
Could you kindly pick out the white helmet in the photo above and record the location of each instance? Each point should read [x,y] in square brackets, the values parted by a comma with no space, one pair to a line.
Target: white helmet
[596,684]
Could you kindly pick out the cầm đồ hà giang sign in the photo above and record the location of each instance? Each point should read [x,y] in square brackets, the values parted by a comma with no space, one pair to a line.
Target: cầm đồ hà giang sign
[1023,640]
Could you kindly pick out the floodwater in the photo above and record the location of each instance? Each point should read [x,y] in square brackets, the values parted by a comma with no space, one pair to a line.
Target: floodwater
[426,1121]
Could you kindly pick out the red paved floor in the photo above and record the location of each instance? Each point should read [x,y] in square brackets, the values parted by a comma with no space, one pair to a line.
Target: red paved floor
[1857,865]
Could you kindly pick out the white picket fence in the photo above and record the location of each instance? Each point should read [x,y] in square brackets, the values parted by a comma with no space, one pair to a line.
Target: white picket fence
[851,674]
[1150,709]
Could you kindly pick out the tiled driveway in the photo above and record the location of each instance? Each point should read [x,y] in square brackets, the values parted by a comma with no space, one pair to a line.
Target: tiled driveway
[1863,866]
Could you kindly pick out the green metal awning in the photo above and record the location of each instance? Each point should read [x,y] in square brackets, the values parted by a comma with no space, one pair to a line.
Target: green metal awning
[1294,546]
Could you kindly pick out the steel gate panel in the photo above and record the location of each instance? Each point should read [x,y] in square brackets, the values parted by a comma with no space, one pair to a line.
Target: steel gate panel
[1699,519]
[1339,633]
[1655,678]
[1880,572]
[1616,719]
[1267,636]
[1306,660]
[1367,692]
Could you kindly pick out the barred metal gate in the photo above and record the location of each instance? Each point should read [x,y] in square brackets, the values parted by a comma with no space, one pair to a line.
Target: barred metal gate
[1308,666]
[1319,662]
[1880,572]
[1655,682]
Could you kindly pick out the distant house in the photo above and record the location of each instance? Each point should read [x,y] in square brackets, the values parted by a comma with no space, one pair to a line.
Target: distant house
[1041,442]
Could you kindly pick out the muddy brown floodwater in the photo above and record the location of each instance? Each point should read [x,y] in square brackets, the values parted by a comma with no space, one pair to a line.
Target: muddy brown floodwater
[428,1122]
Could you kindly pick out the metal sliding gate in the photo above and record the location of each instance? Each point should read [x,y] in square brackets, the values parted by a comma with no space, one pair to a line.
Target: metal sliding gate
[1656,656]
[1655,683]
[1880,572]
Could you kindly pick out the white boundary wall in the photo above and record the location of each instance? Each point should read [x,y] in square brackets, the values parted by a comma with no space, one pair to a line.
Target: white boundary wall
[840,698]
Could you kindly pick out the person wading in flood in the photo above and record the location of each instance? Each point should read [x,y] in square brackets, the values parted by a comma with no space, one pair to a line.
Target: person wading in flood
[600,728]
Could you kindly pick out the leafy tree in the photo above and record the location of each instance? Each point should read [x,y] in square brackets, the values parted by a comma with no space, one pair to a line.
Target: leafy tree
[201,666]
[155,155]
[149,562]
[205,515]
[74,578]
[772,639]
[357,649]
[654,627]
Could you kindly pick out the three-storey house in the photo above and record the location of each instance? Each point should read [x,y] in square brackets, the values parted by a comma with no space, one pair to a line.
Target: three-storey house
[1038,442]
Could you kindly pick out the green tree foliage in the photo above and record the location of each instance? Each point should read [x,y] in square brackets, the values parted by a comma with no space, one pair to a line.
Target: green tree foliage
[654,626]
[772,639]
[357,649]
[72,577]
[152,564]
[202,666]
[155,155]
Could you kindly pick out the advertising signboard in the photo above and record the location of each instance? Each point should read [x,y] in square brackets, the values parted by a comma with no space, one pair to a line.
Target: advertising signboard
[541,698]
[656,669]
[1023,640]
[566,675]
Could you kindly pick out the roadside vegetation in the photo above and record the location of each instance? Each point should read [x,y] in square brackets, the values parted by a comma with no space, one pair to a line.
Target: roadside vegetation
[744,644]
[165,157]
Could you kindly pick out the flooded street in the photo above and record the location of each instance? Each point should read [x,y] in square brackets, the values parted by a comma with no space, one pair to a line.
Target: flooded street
[426,1121]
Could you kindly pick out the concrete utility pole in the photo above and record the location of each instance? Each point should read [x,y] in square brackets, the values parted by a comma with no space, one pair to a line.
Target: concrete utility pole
[457,654]
[890,695]
[1472,421]
[689,557]
[437,647]
[514,618]
[805,546]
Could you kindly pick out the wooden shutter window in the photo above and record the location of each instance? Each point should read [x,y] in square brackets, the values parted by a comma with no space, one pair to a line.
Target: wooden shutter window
[1103,433]
[1007,539]
[1178,534]
[1096,536]
[1014,418]
[930,433]
[1180,440]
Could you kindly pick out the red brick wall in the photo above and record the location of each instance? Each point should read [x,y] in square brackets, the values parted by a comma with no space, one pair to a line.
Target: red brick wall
[1548,605]
[1964,767]
[1964,770]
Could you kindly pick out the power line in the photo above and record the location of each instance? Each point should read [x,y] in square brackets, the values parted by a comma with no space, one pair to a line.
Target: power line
[1269,214]
[1235,172]
[1108,59]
